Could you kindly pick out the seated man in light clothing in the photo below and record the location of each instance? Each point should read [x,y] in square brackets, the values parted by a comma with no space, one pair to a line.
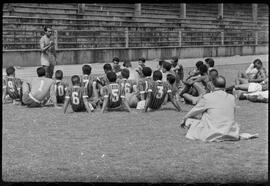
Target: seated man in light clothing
[217,122]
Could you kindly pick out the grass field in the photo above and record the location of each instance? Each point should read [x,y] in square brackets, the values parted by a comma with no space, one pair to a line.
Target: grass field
[43,144]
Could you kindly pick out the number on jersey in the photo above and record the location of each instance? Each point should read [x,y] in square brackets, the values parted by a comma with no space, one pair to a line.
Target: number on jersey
[160,92]
[115,95]
[75,98]
[11,86]
[60,90]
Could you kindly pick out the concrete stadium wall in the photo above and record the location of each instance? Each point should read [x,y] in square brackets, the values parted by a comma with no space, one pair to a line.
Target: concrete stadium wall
[26,58]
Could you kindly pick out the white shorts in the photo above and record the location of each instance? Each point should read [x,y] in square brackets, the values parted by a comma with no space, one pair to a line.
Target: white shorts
[254,87]
[263,94]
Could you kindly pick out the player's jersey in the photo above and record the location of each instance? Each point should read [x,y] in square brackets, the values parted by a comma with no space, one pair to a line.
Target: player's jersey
[87,82]
[115,94]
[158,90]
[76,95]
[13,87]
[60,88]
[127,84]
[143,85]
[40,88]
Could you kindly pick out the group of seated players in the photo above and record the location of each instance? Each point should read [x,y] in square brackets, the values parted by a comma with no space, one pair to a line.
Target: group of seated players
[125,87]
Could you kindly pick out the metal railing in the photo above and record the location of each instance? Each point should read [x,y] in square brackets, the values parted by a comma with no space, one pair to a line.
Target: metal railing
[64,39]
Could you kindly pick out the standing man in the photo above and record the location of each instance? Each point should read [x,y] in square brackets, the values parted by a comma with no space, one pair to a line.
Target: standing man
[48,53]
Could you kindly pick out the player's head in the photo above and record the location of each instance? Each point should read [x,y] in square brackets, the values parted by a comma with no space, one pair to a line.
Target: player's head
[203,69]
[166,66]
[86,69]
[75,79]
[48,30]
[111,76]
[41,71]
[209,62]
[107,67]
[127,64]
[198,64]
[157,75]
[116,60]
[59,74]
[174,59]
[219,82]
[10,71]
[213,73]
[160,63]
[257,63]
[170,79]
[146,71]
[125,73]
[141,61]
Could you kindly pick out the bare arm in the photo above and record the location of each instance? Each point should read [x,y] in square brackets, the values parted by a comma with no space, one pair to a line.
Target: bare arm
[147,101]
[86,104]
[126,104]
[174,102]
[67,99]
[4,95]
[104,103]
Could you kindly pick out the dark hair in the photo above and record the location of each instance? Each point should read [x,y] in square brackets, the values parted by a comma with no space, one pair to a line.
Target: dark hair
[170,78]
[111,76]
[59,74]
[46,28]
[41,71]
[175,59]
[257,61]
[116,59]
[10,70]
[210,62]
[86,69]
[160,63]
[147,71]
[125,73]
[107,67]
[75,79]
[167,66]
[127,64]
[157,75]
[142,59]
[219,82]
[198,64]
[203,69]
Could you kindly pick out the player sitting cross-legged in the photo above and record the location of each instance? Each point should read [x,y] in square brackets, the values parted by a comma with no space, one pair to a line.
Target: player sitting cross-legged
[38,91]
[77,96]
[90,83]
[12,86]
[129,86]
[60,87]
[157,92]
[114,96]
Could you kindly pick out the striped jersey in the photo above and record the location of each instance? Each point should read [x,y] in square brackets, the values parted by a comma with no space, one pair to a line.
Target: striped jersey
[76,95]
[127,84]
[60,90]
[88,81]
[115,93]
[143,85]
[13,87]
[158,91]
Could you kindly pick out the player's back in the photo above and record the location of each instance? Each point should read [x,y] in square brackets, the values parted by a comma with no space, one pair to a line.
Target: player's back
[13,87]
[76,95]
[114,93]
[143,85]
[158,90]
[60,90]
[87,82]
[40,87]
[127,84]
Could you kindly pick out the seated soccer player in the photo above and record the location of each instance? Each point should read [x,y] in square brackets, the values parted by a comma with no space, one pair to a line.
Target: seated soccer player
[60,87]
[12,86]
[133,75]
[38,91]
[116,67]
[114,96]
[143,85]
[166,69]
[129,87]
[195,71]
[175,91]
[209,63]
[199,84]
[90,83]
[157,92]
[77,96]
[178,70]
[141,64]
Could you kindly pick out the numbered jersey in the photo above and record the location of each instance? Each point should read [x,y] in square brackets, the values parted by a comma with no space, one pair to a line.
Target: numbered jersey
[13,87]
[127,85]
[158,91]
[143,85]
[76,95]
[88,82]
[60,91]
[40,87]
[115,93]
